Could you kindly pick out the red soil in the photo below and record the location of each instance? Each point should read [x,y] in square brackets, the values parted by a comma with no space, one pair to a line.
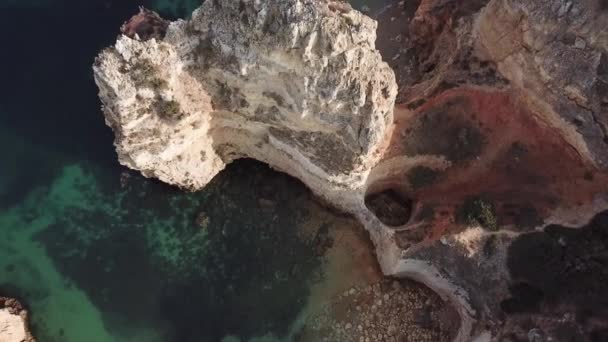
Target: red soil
[520,164]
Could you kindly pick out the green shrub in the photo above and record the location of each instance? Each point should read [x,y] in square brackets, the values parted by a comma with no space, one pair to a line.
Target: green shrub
[145,74]
[169,110]
[477,211]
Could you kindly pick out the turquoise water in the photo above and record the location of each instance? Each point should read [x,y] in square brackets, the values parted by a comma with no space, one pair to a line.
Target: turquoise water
[142,262]
[97,252]
[103,254]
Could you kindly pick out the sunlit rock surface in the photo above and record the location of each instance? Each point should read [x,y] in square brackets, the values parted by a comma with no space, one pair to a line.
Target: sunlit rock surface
[13,322]
[296,84]
[492,135]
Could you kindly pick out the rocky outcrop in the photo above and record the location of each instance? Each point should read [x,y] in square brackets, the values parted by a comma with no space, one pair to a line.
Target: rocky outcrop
[296,84]
[486,133]
[13,322]
[490,139]
[555,53]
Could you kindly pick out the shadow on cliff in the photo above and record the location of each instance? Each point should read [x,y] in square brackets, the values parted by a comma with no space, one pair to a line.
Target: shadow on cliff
[561,272]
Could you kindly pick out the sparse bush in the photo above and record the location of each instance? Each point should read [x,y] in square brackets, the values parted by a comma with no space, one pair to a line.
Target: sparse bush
[169,110]
[158,83]
[478,211]
[145,74]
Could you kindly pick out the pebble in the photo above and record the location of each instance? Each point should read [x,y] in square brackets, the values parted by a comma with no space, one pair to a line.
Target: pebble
[380,313]
[580,43]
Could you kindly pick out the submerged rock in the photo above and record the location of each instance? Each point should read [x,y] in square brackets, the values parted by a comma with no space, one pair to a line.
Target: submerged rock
[490,126]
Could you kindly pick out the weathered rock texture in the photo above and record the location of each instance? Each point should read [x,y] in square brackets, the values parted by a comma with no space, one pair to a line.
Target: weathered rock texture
[292,83]
[13,322]
[465,167]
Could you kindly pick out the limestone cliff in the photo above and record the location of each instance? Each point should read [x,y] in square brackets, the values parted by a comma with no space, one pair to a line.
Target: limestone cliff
[13,322]
[465,144]
[296,84]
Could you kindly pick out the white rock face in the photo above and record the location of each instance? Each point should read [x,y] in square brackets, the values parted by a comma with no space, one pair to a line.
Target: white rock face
[12,327]
[297,84]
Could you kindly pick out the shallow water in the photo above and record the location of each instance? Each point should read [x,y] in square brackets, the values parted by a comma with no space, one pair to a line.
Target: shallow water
[144,262]
[99,253]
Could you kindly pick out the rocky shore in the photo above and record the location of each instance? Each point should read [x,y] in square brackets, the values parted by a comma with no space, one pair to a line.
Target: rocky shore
[389,310]
[465,131]
[14,326]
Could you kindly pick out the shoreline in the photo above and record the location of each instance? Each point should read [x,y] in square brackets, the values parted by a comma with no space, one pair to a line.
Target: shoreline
[14,321]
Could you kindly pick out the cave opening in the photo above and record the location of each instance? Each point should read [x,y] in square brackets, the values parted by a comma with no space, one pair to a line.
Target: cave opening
[390,206]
